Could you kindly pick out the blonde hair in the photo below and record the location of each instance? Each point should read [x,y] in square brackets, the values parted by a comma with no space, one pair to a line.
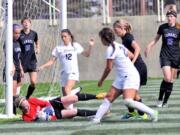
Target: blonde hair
[121,22]
[177,25]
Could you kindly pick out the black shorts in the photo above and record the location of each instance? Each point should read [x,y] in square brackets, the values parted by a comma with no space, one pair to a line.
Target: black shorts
[168,62]
[58,107]
[142,69]
[17,76]
[29,67]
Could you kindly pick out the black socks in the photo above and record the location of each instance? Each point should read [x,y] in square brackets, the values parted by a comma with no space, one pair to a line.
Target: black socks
[30,91]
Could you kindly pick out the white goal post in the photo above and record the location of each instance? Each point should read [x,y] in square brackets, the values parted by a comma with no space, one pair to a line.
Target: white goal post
[9,59]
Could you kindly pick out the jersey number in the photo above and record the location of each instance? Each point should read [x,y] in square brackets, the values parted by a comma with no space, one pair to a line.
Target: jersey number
[69,56]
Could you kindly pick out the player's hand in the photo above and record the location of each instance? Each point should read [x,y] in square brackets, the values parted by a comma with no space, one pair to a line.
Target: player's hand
[41,116]
[37,50]
[13,71]
[39,69]
[91,41]
[146,51]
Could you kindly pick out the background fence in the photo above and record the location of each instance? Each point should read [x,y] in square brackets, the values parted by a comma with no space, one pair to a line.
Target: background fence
[36,9]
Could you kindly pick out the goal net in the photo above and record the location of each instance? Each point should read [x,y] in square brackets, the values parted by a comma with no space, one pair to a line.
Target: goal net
[48,35]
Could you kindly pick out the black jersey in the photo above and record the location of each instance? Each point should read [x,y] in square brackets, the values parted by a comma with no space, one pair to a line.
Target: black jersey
[170,42]
[16,54]
[127,42]
[27,47]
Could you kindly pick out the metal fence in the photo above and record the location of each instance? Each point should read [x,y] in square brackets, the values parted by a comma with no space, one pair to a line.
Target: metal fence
[86,8]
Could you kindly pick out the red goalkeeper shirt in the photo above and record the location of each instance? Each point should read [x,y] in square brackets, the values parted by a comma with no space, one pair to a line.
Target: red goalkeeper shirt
[35,106]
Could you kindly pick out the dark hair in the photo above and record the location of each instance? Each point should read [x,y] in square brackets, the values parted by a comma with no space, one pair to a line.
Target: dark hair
[69,33]
[25,18]
[108,35]
[16,26]
[171,12]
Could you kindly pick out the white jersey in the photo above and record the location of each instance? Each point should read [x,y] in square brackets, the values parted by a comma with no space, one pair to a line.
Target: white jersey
[67,55]
[122,63]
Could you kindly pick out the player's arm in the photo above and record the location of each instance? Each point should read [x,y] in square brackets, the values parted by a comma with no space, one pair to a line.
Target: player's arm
[37,45]
[151,44]
[21,69]
[107,70]
[48,64]
[87,52]
[130,55]
[137,50]
[13,70]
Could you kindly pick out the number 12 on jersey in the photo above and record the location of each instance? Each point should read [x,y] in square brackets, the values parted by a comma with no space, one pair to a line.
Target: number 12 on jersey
[69,56]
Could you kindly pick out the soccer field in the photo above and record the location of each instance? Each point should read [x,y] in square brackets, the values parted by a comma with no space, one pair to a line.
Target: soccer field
[168,124]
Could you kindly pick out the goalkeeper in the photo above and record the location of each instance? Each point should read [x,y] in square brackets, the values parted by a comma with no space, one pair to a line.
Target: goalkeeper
[35,109]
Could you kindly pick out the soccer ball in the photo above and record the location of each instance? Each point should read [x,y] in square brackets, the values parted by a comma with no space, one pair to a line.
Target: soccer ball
[46,113]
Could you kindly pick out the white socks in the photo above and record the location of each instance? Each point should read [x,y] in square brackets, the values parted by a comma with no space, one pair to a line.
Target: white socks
[104,107]
[75,91]
[18,90]
[139,106]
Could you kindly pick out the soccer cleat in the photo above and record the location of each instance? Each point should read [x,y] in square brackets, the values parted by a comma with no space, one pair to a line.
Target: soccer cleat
[165,105]
[159,103]
[129,115]
[141,117]
[96,121]
[101,95]
[154,117]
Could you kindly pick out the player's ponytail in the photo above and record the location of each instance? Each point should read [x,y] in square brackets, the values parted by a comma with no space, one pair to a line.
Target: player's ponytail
[108,35]
[177,25]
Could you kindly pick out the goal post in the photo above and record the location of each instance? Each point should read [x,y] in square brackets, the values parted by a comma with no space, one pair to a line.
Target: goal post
[9,59]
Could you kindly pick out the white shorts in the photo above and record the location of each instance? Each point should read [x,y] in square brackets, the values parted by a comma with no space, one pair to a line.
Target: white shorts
[68,76]
[127,82]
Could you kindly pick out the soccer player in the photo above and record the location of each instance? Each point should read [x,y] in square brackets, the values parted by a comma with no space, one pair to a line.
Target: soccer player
[127,77]
[30,46]
[17,71]
[35,109]
[123,29]
[67,54]
[169,55]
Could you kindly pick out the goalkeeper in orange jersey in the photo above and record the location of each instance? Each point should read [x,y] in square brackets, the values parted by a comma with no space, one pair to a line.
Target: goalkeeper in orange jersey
[35,109]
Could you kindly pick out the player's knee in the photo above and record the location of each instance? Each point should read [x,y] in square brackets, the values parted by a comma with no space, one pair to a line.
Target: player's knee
[110,97]
[129,102]
[168,79]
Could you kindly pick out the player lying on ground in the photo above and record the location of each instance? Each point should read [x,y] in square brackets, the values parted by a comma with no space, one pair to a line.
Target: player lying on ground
[35,109]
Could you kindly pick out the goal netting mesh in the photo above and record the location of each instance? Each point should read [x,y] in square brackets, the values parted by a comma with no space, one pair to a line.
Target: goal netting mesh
[49,37]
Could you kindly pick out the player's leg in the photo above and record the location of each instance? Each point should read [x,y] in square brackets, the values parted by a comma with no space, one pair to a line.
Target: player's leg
[168,73]
[77,112]
[69,86]
[129,95]
[112,94]
[16,80]
[71,99]
[68,100]
[33,80]
[14,95]
[169,88]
